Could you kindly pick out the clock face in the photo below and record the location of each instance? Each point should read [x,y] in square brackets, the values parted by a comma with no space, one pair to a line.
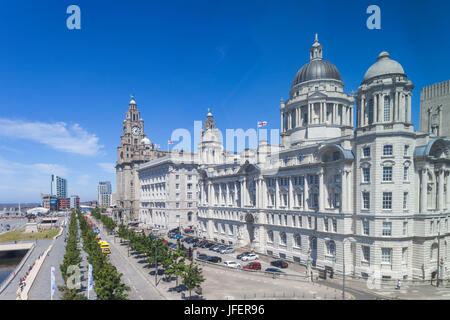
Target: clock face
[136,131]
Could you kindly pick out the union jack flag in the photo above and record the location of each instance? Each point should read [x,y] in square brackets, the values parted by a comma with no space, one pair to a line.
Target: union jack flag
[262,123]
[170,142]
[157,146]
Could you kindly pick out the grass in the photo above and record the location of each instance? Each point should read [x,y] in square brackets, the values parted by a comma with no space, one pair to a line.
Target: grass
[18,235]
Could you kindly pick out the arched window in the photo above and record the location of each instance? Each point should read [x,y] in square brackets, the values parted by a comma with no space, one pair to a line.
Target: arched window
[331,248]
[387,108]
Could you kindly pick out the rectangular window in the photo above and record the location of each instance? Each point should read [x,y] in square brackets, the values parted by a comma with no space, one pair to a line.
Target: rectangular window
[366,200]
[387,200]
[177,186]
[365,224]
[325,224]
[293,221]
[405,228]
[365,253]
[334,225]
[404,255]
[406,150]
[387,174]
[405,200]
[309,223]
[366,152]
[387,150]
[366,174]
[405,173]
[386,255]
[387,228]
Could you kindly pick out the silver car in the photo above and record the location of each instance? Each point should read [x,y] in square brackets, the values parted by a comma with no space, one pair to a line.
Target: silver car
[227,250]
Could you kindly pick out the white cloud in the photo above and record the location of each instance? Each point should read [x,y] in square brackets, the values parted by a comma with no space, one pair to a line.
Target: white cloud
[21,181]
[108,167]
[58,136]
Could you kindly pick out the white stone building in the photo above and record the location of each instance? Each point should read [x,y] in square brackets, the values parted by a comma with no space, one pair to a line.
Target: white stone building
[373,199]
[169,191]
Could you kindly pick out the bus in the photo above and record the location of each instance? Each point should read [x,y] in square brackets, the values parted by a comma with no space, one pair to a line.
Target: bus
[105,247]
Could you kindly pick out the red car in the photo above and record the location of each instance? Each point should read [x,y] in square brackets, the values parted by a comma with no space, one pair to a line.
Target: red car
[253,266]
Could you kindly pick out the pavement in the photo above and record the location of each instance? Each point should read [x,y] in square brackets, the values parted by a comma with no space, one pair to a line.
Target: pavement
[14,224]
[40,290]
[10,291]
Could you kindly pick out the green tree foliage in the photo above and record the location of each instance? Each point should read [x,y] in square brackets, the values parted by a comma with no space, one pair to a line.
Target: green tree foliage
[71,257]
[192,277]
[108,284]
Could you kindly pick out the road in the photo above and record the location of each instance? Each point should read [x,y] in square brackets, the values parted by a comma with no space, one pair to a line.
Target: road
[140,286]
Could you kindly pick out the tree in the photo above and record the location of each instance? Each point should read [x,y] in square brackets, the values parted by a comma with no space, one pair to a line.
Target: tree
[108,285]
[192,277]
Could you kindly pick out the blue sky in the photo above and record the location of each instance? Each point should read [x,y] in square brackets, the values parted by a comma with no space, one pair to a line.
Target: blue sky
[64,93]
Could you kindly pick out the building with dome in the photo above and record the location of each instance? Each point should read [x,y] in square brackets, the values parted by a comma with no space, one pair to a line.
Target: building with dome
[135,148]
[370,200]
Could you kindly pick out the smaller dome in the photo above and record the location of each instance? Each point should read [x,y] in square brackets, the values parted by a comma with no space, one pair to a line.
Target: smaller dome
[132,101]
[146,141]
[384,66]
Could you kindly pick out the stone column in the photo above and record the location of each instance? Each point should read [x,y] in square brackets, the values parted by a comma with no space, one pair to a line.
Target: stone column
[343,207]
[305,193]
[424,191]
[448,192]
[276,205]
[441,190]
[362,116]
[227,197]
[375,108]
[321,191]
[291,197]
[408,119]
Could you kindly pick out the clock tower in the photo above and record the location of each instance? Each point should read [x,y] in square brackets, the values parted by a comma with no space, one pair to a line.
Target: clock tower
[135,148]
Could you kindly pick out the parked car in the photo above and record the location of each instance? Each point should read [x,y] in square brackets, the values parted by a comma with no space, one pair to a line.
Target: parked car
[253,266]
[227,250]
[208,245]
[239,256]
[188,230]
[178,236]
[273,270]
[279,263]
[202,256]
[250,257]
[219,248]
[232,264]
[214,259]
[214,247]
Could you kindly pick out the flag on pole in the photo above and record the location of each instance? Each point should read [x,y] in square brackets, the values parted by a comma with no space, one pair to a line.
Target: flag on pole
[262,123]
[90,281]
[170,142]
[52,282]
[157,146]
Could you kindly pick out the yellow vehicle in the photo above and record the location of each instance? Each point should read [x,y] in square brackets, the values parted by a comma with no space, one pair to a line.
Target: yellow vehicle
[105,247]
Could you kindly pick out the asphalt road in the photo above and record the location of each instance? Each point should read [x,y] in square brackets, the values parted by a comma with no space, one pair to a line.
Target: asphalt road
[140,286]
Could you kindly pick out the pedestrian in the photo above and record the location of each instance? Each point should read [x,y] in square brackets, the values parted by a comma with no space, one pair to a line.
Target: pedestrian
[399,284]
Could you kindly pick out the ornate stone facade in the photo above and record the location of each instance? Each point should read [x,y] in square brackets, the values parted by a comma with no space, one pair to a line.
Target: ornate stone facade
[135,148]
[374,198]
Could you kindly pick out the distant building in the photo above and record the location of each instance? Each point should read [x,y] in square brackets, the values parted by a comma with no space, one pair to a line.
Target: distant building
[435,109]
[63,204]
[104,193]
[58,187]
[49,202]
[74,202]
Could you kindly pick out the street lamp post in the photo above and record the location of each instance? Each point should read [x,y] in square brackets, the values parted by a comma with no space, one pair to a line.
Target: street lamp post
[156,262]
[351,240]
